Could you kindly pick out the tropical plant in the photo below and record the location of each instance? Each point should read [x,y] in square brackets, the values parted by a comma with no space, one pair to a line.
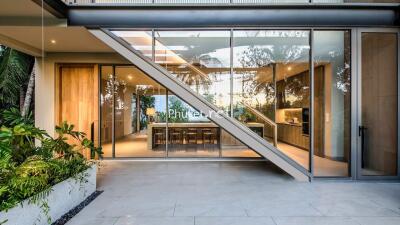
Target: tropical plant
[146,101]
[31,161]
[15,78]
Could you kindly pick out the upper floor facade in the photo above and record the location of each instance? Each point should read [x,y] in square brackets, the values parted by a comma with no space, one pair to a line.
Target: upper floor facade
[224,2]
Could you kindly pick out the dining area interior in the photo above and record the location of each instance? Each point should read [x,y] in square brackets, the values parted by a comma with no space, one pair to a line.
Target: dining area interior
[145,128]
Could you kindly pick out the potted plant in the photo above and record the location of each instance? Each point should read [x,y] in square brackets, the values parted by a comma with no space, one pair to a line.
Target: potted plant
[41,177]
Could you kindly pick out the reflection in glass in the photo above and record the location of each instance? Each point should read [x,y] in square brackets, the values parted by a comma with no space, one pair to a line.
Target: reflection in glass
[106,107]
[271,87]
[190,134]
[133,102]
[379,104]
[200,59]
[139,40]
[332,103]
[356,1]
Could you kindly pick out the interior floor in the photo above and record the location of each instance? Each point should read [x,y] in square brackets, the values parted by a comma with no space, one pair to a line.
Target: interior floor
[322,166]
[135,145]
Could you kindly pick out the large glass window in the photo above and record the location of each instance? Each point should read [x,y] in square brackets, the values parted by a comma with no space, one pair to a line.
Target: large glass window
[332,101]
[261,78]
[190,134]
[271,87]
[131,104]
[356,1]
[106,108]
[139,40]
[201,59]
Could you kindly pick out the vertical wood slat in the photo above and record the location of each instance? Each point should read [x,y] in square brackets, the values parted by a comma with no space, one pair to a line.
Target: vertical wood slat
[77,97]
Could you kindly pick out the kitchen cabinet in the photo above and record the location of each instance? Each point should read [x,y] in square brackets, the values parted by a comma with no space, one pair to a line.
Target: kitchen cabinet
[292,134]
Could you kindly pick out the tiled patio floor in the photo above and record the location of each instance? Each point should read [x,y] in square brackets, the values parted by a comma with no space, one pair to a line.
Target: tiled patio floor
[231,193]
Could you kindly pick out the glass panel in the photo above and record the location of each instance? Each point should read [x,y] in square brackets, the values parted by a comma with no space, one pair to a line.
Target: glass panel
[139,103]
[200,59]
[180,2]
[190,134]
[271,87]
[232,147]
[379,97]
[139,40]
[106,107]
[356,1]
[269,1]
[332,101]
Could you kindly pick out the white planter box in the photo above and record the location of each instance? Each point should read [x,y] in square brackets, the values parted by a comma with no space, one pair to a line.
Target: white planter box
[63,197]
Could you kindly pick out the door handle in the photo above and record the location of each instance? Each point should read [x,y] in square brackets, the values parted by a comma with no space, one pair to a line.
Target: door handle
[361,133]
[361,130]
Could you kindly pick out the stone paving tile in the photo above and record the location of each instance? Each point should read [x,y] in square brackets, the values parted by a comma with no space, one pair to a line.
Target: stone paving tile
[211,209]
[128,220]
[352,207]
[315,221]
[378,220]
[92,221]
[281,208]
[234,193]
[234,221]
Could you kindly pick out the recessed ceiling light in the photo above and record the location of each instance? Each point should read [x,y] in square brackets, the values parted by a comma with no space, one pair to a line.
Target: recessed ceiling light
[289,68]
[53,41]
[130,77]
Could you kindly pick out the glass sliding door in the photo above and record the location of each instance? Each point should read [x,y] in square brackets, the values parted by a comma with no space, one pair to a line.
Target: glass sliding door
[332,101]
[378,127]
[133,113]
[271,87]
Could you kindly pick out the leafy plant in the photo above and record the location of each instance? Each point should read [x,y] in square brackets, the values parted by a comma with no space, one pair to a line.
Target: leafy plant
[31,161]
[15,68]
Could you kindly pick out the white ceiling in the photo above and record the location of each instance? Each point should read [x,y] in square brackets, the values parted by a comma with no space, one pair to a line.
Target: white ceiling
[68,39]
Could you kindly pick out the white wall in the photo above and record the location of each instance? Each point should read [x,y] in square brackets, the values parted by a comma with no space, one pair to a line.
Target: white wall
[329,45]
[128,110]
[45,81]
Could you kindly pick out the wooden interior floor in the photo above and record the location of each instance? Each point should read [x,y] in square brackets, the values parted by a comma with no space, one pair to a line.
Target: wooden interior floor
[135,145]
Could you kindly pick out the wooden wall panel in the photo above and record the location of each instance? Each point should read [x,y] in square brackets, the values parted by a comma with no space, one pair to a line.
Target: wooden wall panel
[379,103]
[77,97]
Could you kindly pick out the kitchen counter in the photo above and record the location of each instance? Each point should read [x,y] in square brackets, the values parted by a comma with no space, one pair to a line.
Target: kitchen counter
[190,125]
[290,124]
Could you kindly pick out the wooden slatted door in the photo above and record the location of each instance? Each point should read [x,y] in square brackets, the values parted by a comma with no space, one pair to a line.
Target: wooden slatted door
[77,98]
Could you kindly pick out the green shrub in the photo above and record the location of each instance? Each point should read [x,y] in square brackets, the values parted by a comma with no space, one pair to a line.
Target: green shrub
[31,161]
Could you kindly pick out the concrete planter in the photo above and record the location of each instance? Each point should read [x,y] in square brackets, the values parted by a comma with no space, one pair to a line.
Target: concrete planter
[63,197]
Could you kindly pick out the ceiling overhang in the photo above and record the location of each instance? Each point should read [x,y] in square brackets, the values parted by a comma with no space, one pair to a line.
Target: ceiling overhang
[363,15]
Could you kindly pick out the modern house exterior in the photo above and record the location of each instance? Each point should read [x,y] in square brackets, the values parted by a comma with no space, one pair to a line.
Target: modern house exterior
[310,85]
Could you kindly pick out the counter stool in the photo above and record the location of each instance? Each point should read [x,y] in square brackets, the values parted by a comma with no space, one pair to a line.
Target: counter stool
[158,136]
[175,136]
[191,135]
[207,134]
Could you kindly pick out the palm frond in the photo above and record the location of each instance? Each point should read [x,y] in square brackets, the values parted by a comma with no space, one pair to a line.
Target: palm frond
[15,69]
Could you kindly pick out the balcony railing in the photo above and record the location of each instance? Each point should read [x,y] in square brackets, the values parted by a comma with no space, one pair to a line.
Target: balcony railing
[196,2]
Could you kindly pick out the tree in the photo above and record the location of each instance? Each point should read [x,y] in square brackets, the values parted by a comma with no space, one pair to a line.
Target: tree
[16,79]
